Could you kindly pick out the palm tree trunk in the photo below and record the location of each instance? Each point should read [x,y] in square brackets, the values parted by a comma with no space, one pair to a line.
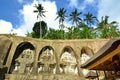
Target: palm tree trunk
[40,29]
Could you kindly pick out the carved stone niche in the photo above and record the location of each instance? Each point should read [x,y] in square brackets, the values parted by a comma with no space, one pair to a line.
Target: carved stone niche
[47,61]
[68,64]
[24,62]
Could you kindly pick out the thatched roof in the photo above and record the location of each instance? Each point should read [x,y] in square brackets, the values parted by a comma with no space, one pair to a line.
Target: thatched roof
[106,49]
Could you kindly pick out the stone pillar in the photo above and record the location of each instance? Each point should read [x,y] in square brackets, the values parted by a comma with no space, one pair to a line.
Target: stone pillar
[80,73]
[57,63]
[58,68]
[11,54]
[35,63]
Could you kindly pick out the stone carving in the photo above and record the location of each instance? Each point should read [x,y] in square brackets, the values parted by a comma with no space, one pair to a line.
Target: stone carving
[46,56]
[84,58]
[24,62]
[47,61]
[68,63]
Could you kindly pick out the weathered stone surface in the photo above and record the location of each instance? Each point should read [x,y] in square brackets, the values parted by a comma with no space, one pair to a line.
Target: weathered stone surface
[5,43]
[24,62]
[44,64]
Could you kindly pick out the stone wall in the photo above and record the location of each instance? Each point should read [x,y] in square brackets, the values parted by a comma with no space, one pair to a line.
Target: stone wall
[12,47]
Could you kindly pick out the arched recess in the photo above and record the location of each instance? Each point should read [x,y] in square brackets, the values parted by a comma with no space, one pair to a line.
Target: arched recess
[23,58]
[86,53]
[47,60]
[68,62]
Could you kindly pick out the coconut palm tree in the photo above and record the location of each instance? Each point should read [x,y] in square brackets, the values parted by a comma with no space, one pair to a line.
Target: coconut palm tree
[61,16]
[103,23]
[90,19]
[40,10]
[107,29]
[74,17]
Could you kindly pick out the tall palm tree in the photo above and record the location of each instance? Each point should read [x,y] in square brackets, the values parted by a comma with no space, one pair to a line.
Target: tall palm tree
[107,29]
[61,16]
[74,17]
[90,19]
[40,10]
[104,22]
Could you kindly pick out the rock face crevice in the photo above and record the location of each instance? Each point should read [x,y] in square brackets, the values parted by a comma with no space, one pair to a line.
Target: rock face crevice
[27,58]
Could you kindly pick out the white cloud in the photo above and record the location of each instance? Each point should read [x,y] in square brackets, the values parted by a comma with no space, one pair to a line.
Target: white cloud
[5,27]
[51,10]
[109,8]
[28,18]
[81,5]
[86,3]
[73,3]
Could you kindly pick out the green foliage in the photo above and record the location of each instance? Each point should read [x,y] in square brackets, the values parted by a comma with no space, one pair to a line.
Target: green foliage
[72,33]
[90,19]
[74,17]
[110,32]
[36,28]
[61,16]
[82,30]
[114,32]
[54,34]
[40,10]
[87,33]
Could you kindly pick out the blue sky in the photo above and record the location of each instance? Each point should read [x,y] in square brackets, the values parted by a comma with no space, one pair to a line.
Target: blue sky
[16,16]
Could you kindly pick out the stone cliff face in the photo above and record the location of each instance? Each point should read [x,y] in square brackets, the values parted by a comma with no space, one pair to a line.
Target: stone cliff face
[13,48]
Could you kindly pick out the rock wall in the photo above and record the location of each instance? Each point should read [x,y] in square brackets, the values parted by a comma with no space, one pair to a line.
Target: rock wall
[46,56]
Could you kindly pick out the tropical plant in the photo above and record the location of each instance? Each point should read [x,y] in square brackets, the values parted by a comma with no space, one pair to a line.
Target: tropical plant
[72,33]
[103,23]
[28,34]
[40,10]
[74,17]
[107,29]
[114,31]
[51,34]
[61,16]
[87,33]
[90,19]
[69,33]
[54,34]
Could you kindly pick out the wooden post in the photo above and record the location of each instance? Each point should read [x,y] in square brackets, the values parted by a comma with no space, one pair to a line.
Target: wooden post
[105,75]
[97,75]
